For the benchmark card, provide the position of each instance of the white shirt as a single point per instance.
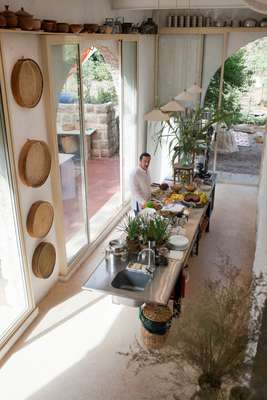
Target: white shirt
(140, 182)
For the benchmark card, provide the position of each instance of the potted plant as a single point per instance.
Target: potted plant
(131, 227)
(154, 229)
(187, 133)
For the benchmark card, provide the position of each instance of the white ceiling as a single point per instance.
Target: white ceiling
(173, 4)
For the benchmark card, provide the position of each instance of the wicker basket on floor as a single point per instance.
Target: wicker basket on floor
(156, 322)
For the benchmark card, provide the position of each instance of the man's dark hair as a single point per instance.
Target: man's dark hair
(144, 155)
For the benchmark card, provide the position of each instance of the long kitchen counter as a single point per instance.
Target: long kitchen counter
(160, 288)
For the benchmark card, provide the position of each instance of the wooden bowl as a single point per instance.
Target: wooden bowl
(76, 28)
(27, 83)
(63, 27)
(43, 260)
(34, 163)
(36, 24)
(40, 219)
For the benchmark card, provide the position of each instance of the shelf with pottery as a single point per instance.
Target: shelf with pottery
(209, 30)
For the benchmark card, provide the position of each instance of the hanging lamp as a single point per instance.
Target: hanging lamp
(172, 106)
(195, 89)
(156, 115)
(185, 96)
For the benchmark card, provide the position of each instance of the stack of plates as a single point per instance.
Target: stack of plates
(178, 242)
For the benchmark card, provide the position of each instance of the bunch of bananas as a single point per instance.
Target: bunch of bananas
(203, 198)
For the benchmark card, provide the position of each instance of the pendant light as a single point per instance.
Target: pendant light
(185, 96)
(172, 106)
(195, 89)
(156, 115)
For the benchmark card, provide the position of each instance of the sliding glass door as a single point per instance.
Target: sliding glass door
(95, 87)
(14, 300)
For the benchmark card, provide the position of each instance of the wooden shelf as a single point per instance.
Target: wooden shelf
(210, 30)
(102, 36)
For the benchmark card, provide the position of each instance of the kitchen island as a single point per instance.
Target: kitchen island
(166, 279)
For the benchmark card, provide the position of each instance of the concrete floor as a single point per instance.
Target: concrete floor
(71, 350)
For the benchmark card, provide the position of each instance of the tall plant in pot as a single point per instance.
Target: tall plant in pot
(154, 229)
(187, 133)
(131, 227)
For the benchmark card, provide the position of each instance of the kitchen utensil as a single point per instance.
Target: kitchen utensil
(91, 28)
(208, 22)
(24, 19)
(175, 21)
(40, 219)
(49, 25)
(3, 22)
(27, 83)
(200, 21)
(263, 22)
(187, 21)
(34, 163)
(169, 21)
(43, 260)
(219, 23)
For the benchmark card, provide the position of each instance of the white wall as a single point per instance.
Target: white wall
(75, 11)
(28, 124)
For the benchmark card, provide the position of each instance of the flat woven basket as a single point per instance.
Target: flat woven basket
(27, 83)
(40, 219)
(34, 163)
(43, 260)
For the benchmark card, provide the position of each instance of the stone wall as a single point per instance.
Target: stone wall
(104, 142)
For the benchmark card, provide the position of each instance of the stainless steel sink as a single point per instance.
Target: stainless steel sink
(130, 280)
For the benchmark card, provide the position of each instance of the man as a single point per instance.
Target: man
(140, 183)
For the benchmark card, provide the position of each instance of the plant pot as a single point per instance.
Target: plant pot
(133, 246)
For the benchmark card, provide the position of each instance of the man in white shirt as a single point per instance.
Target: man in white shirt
(140, 183)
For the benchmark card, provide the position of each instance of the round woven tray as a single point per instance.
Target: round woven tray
(43, 260)
(157, 313)
(27, 83)
(34, 163)
(40, 219)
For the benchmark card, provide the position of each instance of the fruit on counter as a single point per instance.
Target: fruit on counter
(164, 186)
(203, 198)
(174, 198)
(195, 198)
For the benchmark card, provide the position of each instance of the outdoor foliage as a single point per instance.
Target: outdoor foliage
(97, 74)
(237, 79)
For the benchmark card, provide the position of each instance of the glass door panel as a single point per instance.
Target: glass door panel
(101, 93)
(13, 292)
(129, 109)
(66, 71)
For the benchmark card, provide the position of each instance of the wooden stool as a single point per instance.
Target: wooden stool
(181, 171)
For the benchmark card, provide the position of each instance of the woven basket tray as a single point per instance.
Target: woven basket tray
(43, 260)
(40, 219)
(34, 163)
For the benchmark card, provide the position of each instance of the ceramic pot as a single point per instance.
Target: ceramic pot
(36, 24)
(26, 23)
(49, 25)
(91, 28)
(2, 21)
(11, 18)
(63, 27)
(76, 28)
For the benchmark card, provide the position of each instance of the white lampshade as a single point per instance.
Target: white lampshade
(195, 89)
(172, 106)
(156, 115)
(185, 96)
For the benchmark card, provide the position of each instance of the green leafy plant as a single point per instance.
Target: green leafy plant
(187, 133)
(131, 226)
(154, 229)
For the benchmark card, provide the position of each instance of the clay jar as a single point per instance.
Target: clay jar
(2, 21)
(25, 20)
(11, 18)
(49, 25)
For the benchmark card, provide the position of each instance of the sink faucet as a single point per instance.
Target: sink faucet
(150, 257)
